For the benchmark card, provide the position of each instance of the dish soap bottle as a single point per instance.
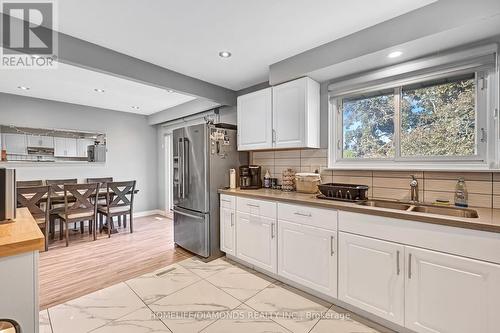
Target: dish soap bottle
(461, 195)
(267, 179)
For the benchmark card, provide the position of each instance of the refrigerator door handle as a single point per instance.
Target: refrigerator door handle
(179, 169)
(182, 158)
(185, 165)
(187, 214)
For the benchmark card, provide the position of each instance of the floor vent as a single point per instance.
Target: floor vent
(165, 272)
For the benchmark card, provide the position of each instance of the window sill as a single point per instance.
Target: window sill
(420, 166)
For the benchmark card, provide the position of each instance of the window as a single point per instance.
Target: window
(440, 119)
(368, 125)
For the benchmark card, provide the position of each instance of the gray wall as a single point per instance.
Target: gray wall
(132, 144)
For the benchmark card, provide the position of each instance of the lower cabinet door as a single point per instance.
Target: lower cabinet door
(308, 255)
(227, 231)
(450, 294)
(371, 276)
(256, 241)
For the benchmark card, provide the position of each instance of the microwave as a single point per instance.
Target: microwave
(8, 195)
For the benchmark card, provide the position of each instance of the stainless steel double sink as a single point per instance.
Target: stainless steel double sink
(422, 208)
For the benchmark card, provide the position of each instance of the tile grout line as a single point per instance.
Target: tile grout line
(147, 306)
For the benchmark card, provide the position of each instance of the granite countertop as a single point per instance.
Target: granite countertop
(21, 235)
(488, 220)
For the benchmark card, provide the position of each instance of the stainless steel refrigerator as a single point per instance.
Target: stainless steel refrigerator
(202, 157)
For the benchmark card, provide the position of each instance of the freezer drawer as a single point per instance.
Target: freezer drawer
(191, 231)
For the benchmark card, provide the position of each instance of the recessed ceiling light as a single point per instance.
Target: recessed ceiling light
(99, 90)
(23, 88)
(135, 107)
(395, 54)
(224, 54)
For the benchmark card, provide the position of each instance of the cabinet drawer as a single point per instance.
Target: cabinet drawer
(316, 217)
(227, 201)
(256, 207)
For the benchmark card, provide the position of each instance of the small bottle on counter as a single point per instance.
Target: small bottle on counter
(461, 195)
(267, 180)
(232, 178)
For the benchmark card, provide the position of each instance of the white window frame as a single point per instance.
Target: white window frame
(486, 113)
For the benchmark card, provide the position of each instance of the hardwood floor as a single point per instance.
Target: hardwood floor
(86, 266)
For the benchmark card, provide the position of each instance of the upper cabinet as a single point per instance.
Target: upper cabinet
(14, 143)
(65, 147)
(296, 114)
(255, 128)
(40, 141)
(284, 116)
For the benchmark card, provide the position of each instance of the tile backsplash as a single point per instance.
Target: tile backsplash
(483, 187)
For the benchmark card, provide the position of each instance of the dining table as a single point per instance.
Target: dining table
(58, 196)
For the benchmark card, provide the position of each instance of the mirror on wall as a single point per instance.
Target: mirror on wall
(25, 144)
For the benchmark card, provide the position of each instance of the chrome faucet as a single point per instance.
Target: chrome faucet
(413, 189)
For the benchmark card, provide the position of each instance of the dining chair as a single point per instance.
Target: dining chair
(29, 183)
(80, 204)
(119, 202)
(57, 200)
(31, 198)
(102, 185)
(102, 181)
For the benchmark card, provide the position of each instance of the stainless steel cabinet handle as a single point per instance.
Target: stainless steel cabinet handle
(409, 266)
(232, 219)
(274, 135)
(252, 205)
(225, 200)
(332, 245)
(303, 214)
(398, 269)
(272, 230)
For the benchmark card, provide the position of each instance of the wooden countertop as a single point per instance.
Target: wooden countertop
(20, 236)
(488, 220)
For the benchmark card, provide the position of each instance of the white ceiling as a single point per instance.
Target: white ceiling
(187, 35)
(433, 44)
(76, 85)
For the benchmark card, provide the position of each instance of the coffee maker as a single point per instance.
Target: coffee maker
(250, 177)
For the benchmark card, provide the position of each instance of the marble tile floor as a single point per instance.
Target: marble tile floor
(193, 296)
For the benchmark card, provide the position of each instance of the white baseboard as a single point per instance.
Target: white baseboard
(150, 212)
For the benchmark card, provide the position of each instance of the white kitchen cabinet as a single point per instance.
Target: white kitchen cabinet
(19, 290)
(82, 146)
(284, 116)
(254, 118)
(65, 147)
(256, 241)
(15, 143)
(308, 255)
(296, 114)
(371, 276)
(450, 294)
(40, 141)
(227, 224)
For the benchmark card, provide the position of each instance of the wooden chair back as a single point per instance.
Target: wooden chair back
(102, 181)
(32, 197)
(29, 183)
(57, 185)
(80, 198)
(119, 194)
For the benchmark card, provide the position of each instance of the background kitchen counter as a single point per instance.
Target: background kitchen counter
(488, 220)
